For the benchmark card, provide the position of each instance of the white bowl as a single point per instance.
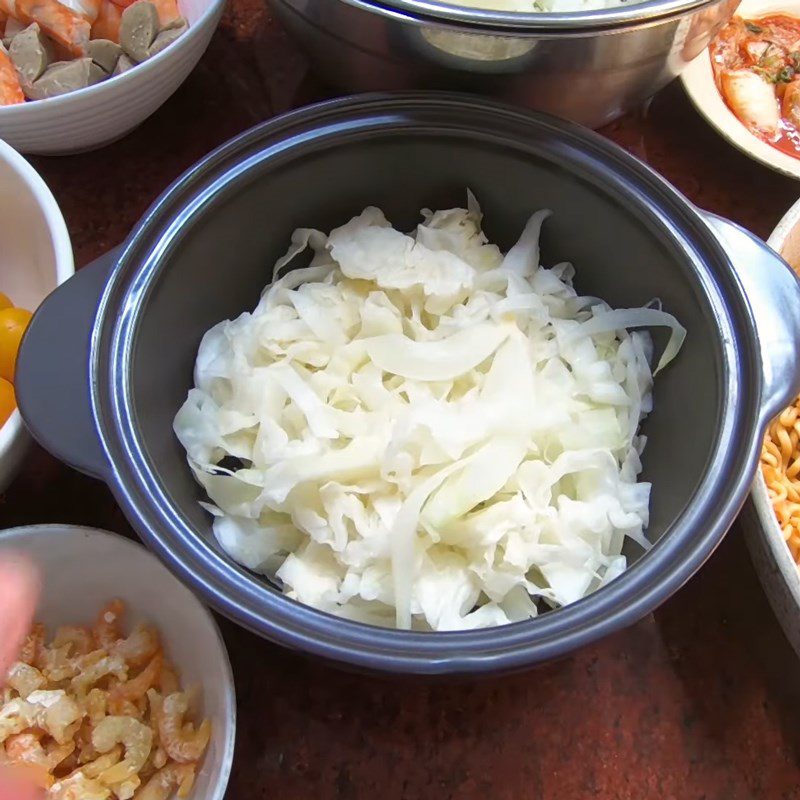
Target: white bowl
(100, 114)
(771, 557)
(35, 257)
(698, 80)
(84, 568)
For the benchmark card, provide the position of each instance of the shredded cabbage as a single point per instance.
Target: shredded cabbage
(419, 431)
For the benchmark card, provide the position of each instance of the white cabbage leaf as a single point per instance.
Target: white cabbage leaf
(419, 431)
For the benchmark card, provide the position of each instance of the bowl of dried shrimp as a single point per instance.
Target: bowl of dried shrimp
(771, 519)
(123, 688)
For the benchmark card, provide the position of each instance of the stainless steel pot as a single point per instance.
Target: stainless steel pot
(588, 67)
(108, 358)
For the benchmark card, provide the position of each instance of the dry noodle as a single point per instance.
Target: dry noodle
(780, 465)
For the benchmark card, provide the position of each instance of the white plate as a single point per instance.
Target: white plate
(82, 569)
(698, 80)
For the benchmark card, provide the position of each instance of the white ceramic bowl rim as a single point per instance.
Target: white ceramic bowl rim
(19, 534)
(16, 112)
(62, 250)
(62, 247)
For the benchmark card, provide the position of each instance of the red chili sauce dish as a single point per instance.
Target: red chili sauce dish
(756, 65)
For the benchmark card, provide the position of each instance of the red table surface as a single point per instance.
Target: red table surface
(700, 701)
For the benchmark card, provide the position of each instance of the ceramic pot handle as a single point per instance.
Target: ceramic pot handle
(52, 378)
(773, 292)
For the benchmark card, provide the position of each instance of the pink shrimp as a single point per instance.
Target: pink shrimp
(106, 25)
(167, 10)
(61, 24)
(8, 8)
(88, 9)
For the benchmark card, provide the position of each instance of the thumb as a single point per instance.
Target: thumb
(19, 588)
(16, 788)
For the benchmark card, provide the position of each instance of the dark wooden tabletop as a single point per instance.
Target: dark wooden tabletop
(700, 701)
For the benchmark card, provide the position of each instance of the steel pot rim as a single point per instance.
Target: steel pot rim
(483, 21)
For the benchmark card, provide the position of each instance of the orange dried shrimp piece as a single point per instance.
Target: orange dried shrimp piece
(107, 630)
(33, 645)
(136, 688)
(137, 740)
(24, 679)
(96, 666)
(57, 664)
(180, 740)
(26, 748)
(78, 787)
(166, 780)
(169, 682)
(77, 637)
(93, 769)
(141, 646)
(96, 705)
(21, 747)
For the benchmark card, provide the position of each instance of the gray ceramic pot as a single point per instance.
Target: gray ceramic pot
(585, 66)
(108, 358)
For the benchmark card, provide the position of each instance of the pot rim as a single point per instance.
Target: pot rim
(511, 23)
(234, 591)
